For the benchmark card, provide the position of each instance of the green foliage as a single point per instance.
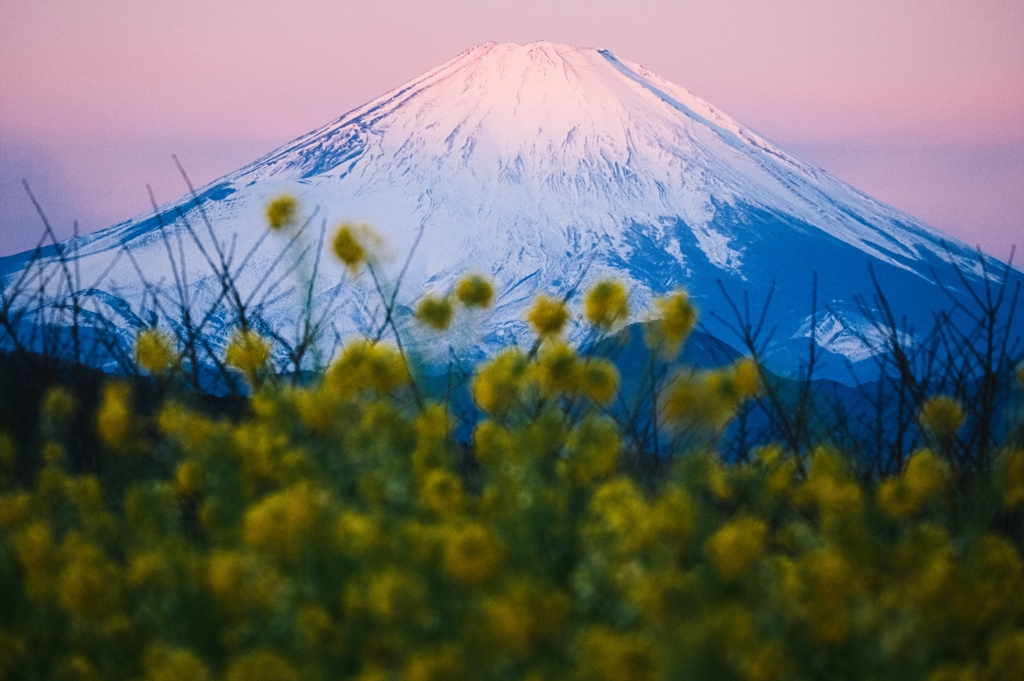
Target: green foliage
(340, 529)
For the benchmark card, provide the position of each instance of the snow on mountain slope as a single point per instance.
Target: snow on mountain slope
(547, 167)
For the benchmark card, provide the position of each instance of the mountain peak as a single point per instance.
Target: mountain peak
(552, 50)
(574, 127)
(558, 69)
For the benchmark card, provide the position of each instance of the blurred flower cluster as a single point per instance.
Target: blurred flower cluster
(343, 529)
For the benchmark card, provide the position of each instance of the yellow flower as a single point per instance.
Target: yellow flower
(621, 515)
(441, 492)
(261, 665)
(35, 547)
(558, 369)
(523, 614)
(1006, 656)
(225, 575)
(113, 421)
(997, 564)
(433, 425)
(607, 304)
(356, 533)
(77, 667)
(356, 244)
(765, 662)
(830, 488)
(258, 447)
(192, 430)
(924, 476)
(491, 442)
(472, 553)
(674, 515)
(429, 455)
(593, 451)
(500, 383)
(609, 655)
(780, 469)
(37, 555)
(314, 409)
(435, 312)
(718, 478)
(704, 399)
(153, 351)
(264, 406)
(652, 592)
(942, 415)
(51, 484)
(14, 509)
(88, 584)
(475, 291)
(247, 351)
(364, 365)
(434, 665)
(147, 567)
(313, 624)
(394, 595)
(599, 379)
(1012, 477)
(959, 672)
(282, 521)
(59, 404)
(188, 478)
(736, 546)
(209, 515)
(347, 374)
(163, 663)
(509, 623)
(281, 212)
(547, 316)
(678, 318)
(832, 583)
(747, 377)
(295, 465)
(86, 496)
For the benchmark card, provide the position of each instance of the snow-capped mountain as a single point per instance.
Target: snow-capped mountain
(546, 167)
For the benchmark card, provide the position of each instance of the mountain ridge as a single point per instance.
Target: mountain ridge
(548, 167)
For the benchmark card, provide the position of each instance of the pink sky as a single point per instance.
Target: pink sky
(920, 104)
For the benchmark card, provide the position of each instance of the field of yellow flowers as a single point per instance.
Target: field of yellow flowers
(341, 530)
